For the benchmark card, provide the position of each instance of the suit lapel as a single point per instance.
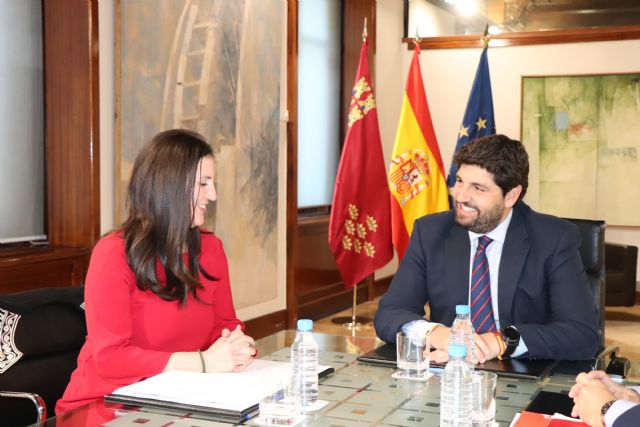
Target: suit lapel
(514, 253)
(457, 249)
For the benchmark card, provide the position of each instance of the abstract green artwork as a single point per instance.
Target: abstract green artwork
(583, 137)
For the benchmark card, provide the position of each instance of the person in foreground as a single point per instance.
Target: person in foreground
(599, 401)
(157, 291)
(519, 271)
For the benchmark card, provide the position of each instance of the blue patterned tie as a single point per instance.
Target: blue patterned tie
(481, 308)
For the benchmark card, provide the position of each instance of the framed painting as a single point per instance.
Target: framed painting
(215, 67)
(583, 138)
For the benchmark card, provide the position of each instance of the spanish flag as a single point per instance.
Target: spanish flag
(416, 172)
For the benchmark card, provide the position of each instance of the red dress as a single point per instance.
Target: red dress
(131, 333)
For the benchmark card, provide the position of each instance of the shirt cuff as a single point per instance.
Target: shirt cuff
(520, 349)
(617, 409)
(419, 327)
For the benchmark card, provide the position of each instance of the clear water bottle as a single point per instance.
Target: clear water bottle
(304, 365)
(462, 332)
(456, 389)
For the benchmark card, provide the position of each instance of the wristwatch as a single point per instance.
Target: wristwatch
(605, 408)
(511, 338)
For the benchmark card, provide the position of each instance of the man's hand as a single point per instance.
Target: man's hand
(619, 392)
(589, 395)
(439, 337)
(485, 345)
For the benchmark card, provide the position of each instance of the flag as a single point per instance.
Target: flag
(478, 118)
(416, 171)
(359, 227)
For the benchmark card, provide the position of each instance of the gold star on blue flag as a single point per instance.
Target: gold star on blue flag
(478, 118)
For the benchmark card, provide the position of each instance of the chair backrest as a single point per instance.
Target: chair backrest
(592, 254)
(41, 332)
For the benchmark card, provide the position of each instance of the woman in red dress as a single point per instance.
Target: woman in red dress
(157, 291)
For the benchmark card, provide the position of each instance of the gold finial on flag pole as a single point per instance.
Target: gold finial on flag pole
(486, 37)
(364, 29)
(416, 39)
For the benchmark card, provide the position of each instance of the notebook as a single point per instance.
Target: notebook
(519, 368)
(229, 397)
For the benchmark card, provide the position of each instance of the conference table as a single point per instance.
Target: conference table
(358, 394)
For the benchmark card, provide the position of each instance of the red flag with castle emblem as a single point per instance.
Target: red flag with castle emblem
(360, 225)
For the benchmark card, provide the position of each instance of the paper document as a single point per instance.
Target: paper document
(235, 391)
(533, 419)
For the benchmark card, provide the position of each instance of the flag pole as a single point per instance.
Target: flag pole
(485, 37)
(354, 322)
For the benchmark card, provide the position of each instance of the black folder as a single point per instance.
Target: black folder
(216, 414)
(549, 402)
(385, 355)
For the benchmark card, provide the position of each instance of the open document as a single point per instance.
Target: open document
(234, 395)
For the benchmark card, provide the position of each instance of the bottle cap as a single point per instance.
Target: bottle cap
(457, 350)
(462, 309)
(305, 325)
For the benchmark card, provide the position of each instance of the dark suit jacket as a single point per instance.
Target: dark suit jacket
(629, 418)
(542, 287)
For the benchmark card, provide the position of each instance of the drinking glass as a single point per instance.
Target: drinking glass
(280, 408)
(483, 396)
(412, 352)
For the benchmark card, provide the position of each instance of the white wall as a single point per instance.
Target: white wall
(448, 75)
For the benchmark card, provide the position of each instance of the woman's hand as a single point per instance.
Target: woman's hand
(219, 357)
(243, 348)
(232, 352)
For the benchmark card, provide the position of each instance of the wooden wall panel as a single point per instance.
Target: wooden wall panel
(354, 12)
(43, 268)
(266, 325)
(292, 159)
(72, 124)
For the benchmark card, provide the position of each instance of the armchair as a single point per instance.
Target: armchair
(621, 262)
(592, 254)
(41, 333)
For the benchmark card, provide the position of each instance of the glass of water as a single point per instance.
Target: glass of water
(483, 385)
(280, 408)
(412, 352)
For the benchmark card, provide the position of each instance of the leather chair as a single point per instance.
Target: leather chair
(41, 333)
(593, 255)
(621, 263)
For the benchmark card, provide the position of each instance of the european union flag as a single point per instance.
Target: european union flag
(478, 117)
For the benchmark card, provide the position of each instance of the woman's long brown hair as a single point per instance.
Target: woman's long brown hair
(160, 214)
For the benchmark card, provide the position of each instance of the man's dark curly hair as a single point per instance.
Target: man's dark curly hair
(505, 158)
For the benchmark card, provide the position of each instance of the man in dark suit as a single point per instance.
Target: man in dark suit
(519, 271)
(600, 401)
